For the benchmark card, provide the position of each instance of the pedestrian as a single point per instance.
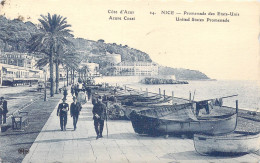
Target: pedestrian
(76, 90)
(88, 89)
(1, 111)
(4, 106)
(65, 92)
(72, 90)
(94, 100)
(62, 111)
(99, 115)
(75, 108)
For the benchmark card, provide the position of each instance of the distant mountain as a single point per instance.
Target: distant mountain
(15, 34)
(183, 74)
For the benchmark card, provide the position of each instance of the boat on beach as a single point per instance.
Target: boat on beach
(236, 143)
(167, 101)
(180, 119)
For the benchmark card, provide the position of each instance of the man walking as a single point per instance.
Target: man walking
(99, 115)
(72, 90)
(88, 89)
(1, 111)
(65, 92)
(62, 111)
(4, 107)
(75, 108)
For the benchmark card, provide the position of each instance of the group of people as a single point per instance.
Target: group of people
(3, 110)
(63, 108)
(75, 89)
(99, 112)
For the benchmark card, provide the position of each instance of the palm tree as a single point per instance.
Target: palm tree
(65, 57)
(69, 60)
(53, 32)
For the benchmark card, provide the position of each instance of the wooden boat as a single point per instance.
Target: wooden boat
(138, 106)
(236, 143)
(180, 119)
(167, 100)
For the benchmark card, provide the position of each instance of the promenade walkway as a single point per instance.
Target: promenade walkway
(122, 144)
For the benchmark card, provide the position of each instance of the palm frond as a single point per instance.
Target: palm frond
(42, 62)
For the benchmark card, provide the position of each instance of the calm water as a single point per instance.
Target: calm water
(248, 91)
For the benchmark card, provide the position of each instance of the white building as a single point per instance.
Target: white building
(136, 69)
(11, 74)
(93, 68)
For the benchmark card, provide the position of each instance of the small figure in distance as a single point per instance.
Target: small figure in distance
(65, 92)
(3, 110)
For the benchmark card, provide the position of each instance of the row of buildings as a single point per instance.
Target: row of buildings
(18, 68)
(136, 69)
(117, 67)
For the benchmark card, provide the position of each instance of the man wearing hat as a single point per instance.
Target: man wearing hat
(3, 110)
(75, 108)
(62, 111)
(99, 115)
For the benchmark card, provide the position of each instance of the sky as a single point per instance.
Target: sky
(220, 50)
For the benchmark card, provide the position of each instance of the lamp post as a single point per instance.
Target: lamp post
(45, 94)
(63, 81)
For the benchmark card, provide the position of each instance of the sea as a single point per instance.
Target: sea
(247, 91)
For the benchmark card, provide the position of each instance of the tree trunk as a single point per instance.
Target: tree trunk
(67, 77)
(70, 76)
(57, 78)
(73, 76)
(51, 74)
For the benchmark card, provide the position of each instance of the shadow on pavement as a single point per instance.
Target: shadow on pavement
(191, 155)
(59, 140)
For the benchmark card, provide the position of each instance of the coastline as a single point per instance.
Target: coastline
(248, 91)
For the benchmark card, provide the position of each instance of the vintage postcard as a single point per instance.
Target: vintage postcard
(129, 81)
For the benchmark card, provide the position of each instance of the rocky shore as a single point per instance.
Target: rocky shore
(150, 80)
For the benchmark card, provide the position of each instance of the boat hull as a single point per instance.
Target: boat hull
(180, 119)
(226, 145)
(153, 126)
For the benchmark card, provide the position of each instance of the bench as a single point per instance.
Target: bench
(20, 121)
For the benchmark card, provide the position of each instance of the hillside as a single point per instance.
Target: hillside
(15, 35)
(101, 48)
(183, 74)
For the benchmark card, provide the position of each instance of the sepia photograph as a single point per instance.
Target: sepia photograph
(133, 81)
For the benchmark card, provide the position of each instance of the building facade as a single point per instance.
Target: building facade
(136, 69)
(17, 59)
(11, 75)
(18, 68)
